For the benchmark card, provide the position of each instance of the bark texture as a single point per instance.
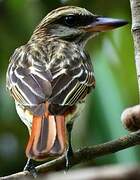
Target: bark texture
(135, 9)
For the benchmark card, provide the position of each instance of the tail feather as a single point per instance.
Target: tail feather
(48, 137)
(60, 141)
(51, 133)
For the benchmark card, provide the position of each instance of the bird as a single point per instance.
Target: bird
(50, 77)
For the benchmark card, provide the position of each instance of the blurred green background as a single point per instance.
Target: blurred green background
(114, 67)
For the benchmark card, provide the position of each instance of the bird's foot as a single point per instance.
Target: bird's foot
(69, 152)
(69, 155)
(31, 168)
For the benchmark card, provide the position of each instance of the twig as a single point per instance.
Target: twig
(85, 154)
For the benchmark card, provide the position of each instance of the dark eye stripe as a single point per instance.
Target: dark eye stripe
(76, 20)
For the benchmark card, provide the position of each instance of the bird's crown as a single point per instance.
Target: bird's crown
(65, 11)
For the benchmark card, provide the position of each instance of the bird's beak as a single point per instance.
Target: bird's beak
(104, 24)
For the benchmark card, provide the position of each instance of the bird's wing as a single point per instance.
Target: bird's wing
(72, 82)
(29, 83)
(64, 83)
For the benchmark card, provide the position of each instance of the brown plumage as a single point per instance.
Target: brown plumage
(50, 76)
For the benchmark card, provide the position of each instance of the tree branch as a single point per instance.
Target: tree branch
(111, 172)
(84, 155)
(131, 116)
(135, 9)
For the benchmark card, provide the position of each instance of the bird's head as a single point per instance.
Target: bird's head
(75, 24)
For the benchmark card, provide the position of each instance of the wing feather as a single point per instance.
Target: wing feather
(30, 85)
(65, 82)
(74, 84)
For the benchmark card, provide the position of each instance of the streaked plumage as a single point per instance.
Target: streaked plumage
(50, 76)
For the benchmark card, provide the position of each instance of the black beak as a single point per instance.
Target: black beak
(104, 24)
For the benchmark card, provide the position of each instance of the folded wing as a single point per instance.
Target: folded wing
(64, 83)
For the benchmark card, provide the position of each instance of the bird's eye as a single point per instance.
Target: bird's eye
(70, 20)
(76, 20)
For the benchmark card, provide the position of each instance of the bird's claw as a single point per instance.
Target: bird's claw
(31, 168)
(69, 155)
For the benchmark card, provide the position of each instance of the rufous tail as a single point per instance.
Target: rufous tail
(48, 137)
